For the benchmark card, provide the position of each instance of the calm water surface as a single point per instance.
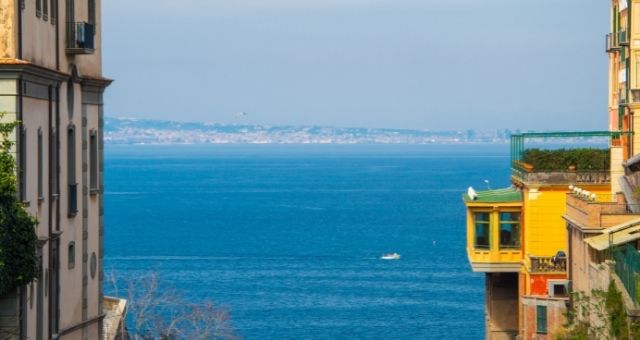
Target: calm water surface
(289, 236)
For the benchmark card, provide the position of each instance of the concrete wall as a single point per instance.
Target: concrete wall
(502, 305)
(556, 309)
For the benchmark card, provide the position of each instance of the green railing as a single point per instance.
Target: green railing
(563, 139)
(628, 268)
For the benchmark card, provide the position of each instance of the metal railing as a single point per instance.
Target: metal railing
(548, 264)
(562, 177)
(611, 42)
(627, 268)
(80, 37)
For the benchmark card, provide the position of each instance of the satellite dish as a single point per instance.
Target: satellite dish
(472, 193)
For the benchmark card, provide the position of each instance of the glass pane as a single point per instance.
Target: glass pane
(482, 235)
(482, 217)
(509, 234)
(510, 216)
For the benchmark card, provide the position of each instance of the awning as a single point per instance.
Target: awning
(616, 235)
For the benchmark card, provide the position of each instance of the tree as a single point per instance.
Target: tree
(155, 312)
(18, 239)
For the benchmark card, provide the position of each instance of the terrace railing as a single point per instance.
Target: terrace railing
(628, 269)
(527, 173)
(548, 264)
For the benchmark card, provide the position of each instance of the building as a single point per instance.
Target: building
(517, 237)
(578, 228)
(51, 81)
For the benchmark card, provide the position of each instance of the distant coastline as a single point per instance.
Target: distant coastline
(162, 132)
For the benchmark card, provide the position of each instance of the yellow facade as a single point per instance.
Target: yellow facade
(493, 258)
(545, 232)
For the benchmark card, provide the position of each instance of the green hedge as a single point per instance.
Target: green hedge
(584, 159)
(18, 239)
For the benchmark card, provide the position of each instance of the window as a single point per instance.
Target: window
(71, 255)
(482, 230)
(45, 9)
(71, 171)
(92, 11)
(39, 8)
(541, 319)
(23, 165)
(93, 161)
(53, 152)
(40, 166)
(54, 11)
(510, 230)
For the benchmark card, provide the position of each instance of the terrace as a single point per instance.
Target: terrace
(599, 211)
(562, 158)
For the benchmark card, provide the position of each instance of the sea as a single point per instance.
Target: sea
(289, 237)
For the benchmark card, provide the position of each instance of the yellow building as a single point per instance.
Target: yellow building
(517, 237)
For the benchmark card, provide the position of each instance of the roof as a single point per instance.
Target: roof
(616, 235)
(506, 195)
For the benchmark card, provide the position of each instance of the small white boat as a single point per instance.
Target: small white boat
(391, 256)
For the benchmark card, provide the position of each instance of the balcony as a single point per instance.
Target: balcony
(553, 162)
(611, 42)
(548, 264)
(80, 38)
(494, 234)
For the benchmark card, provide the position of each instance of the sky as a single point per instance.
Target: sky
(419, 64)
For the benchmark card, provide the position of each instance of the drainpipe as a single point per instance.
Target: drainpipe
(20, 31)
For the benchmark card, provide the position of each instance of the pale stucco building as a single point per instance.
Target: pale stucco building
(51, 81)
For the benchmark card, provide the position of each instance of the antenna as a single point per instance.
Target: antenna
(488, 184)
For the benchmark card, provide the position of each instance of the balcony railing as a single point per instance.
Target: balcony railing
(623, 38)
(611, 42)
(563, 170)
(562, 177)
(548, 264)
(80, 38)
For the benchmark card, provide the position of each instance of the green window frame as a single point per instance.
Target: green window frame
(482, 230)
(509, 230)
(541, 319)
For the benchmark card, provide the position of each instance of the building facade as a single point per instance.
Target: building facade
(51, 82)
(579, 229)
(517, 237)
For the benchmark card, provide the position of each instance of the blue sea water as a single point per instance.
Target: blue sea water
(290, 236)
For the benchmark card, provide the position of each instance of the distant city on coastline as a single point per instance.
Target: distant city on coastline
(149, 131)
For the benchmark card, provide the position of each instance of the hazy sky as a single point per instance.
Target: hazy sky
(429, 64)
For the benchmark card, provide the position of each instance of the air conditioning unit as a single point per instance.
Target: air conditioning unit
(558, 288)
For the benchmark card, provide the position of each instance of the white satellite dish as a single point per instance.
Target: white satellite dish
(472, 193)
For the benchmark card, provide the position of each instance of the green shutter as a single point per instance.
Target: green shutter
(541, 319)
